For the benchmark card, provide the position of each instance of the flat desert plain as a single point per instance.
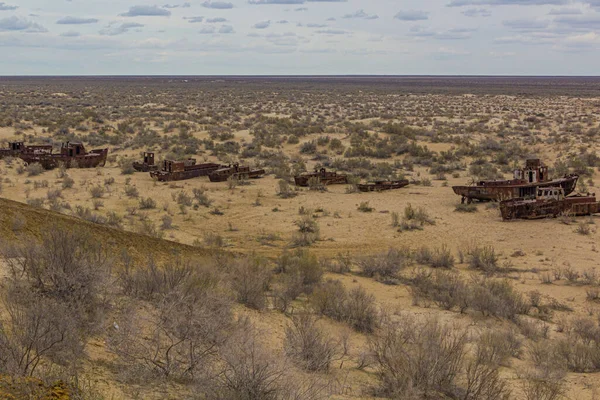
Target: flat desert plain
(308, 292)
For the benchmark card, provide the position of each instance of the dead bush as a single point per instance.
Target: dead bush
(250, 279)
(483, 259)
(356, 308)
(385, 265)
(497, 298)
(247, 371)
(497, 347)
(309, 345)
(147, 203)
(285, 191)
(153, 281)
(66, 265)
(38, 329)
(420, 358)
(539, 385)
(308, 232)
(34, 169)
(176, 340)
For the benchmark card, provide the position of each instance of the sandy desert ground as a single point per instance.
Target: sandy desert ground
(436, 136)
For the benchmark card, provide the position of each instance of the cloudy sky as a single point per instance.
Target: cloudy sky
(222, 37)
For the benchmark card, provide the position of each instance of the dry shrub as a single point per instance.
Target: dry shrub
(285, 191)
(147, 203)
(422, 358)
(491, 297)
(440, 257)
(245, 370)
(483, 382)
(154, 282)
(177, 339)
(447, 290)
(310, 346)
(34, 169)
(496, 347)
(415, 219)
(385, 265)
(483, 259)
(250, 279)
(497, 298)
(308, 232)
(54, 299)
(356, 308)
(537, 385)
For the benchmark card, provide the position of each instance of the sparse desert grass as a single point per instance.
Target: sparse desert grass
(510, 311)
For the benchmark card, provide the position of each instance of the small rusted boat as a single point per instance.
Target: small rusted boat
(320, 176)
(147, 164)
(72, 155)
(549, 202)
(180, 170)
(525, 183)
(15, 149)
(235, 171)
(378, 186)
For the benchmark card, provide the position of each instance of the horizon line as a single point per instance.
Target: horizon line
(301, 76)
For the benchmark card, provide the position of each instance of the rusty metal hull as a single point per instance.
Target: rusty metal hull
(534, 209)
(505, 190)
(194, 171)
(9, 153)
(324, 178)
(223, 174)
(378, 186)
(141, 167)
(95, 158)
(37, 149)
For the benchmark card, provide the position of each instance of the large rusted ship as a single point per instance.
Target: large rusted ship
(147, 164)
(549, 202)
(15, 149)
(235, 171)
(180, 170)
(320, 176)
(72, 155)
(525, 183)
(378, 186)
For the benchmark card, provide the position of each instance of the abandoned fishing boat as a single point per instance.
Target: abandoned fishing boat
(525, 183)
(320, 176)
(72, 155)
(235, 171)
(147, 164)
(549, 202)
(180, 170)
(378, 186)
(15, 149)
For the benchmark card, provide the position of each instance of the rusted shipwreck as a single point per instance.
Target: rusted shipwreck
(378, 186)
(72, 155)
(235, 171)
(549, 202)
(321, 176)
(525, 183)
(15, 149)
(147, 163)
(180, 170)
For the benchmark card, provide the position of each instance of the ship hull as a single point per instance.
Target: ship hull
(505, 191)
(380, 186)
(141, 167)
(333, 179)
(222, 177)
(193, 172)
(534, 209)
(93, 159)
